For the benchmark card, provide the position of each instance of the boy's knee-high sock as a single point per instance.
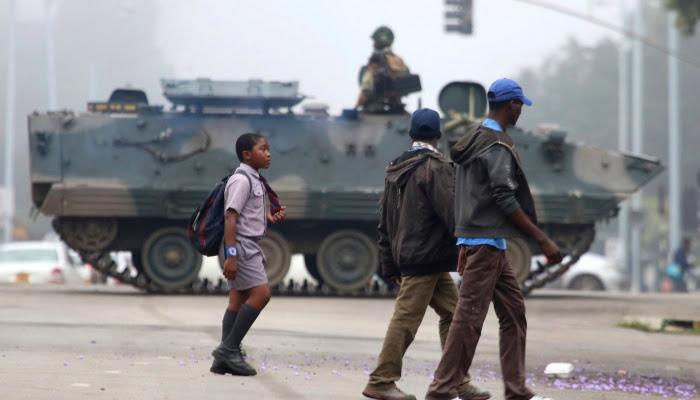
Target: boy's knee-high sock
(227, 323)
(245, 319)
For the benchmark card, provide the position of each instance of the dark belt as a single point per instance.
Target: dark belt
(255, 238)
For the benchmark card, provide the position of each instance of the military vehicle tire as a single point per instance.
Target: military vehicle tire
(169, 260)
(520, 257)
(347, 260)
(312, 267)
(278, 256)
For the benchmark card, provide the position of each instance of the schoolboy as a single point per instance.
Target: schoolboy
(416, 230)
(240, 255)
(492, 203)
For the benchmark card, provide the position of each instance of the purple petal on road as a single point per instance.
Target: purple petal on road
(182, 363)
(308, 378)
(263, 368)
(80, 357)
(93, 342)
(65, 363)
(296, 374)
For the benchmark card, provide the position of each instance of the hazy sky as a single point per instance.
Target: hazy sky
(323, 43)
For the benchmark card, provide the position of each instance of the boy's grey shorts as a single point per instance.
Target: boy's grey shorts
(251, 264)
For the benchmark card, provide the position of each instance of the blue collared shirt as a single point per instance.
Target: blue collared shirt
(499, 243)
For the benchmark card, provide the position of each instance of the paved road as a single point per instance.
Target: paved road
(115, 343)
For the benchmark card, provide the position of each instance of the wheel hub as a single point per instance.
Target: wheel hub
(169, 260)
(172, 257)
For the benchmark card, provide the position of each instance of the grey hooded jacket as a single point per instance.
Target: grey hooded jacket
(490, 185)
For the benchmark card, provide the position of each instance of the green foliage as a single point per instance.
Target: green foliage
(635, 325)
(687, 14)
(577, 87)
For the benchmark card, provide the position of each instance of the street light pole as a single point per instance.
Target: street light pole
(637, 136)
(50, 8)
(623, 134)
(674, 152)
(9, 207)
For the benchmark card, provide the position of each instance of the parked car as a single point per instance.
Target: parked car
(38, 262)
(591, 272)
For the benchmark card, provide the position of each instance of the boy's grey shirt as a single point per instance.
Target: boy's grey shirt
(490, 185)
(416, 222)
(249, 206)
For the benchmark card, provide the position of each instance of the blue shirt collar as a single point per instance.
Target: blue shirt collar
(492, 124)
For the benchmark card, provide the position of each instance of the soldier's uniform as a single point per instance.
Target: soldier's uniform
(383, 68)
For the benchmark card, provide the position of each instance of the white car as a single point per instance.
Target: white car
(38, 262)
(591, 272)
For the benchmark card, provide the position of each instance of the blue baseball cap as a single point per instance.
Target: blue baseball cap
(507, 89)
(425, 123)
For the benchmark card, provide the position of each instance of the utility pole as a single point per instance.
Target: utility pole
(50, 9)
(637, 138)
(9, 201)
(623, 143)
(674, 149)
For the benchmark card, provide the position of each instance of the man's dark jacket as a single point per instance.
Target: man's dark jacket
(416, 222)
(490, 185)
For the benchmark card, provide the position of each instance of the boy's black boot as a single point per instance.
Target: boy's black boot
(219, 367)
(233, 360)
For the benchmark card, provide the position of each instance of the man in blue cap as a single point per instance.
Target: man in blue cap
(417, 251)
(492, 203)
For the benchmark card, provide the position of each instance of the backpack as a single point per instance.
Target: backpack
(206, 226)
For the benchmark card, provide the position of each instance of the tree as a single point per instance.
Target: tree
(577, 87)
(687, 14)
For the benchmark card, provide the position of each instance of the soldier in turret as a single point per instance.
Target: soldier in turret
(377, 93)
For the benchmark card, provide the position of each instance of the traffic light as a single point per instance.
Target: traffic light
(458, 16)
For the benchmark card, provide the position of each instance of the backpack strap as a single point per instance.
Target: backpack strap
(250, 183)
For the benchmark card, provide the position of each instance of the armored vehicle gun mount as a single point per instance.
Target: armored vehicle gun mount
(126, 175)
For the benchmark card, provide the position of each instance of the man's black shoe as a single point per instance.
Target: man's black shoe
(233, 360)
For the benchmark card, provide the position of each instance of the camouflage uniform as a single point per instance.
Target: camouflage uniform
(385, 66)
(382, 69)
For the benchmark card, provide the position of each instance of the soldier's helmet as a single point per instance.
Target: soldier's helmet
(383, 37)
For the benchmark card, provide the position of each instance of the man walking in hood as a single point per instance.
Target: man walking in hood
(492, 203)
(416, 245)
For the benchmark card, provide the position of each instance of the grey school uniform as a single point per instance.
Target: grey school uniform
(251, 225)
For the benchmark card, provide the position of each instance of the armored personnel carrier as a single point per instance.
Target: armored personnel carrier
(126, 175)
